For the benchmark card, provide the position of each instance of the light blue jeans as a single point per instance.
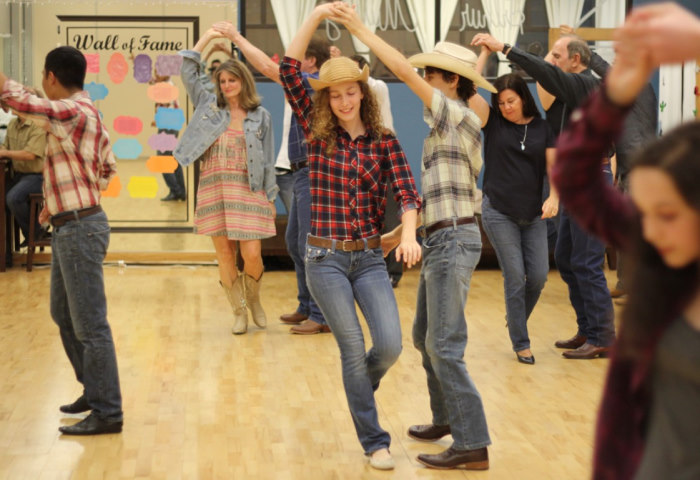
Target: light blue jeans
(521, 248)
(337, 279)
(440, 333)
(79, 308)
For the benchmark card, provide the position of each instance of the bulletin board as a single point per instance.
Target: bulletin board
(133, 77)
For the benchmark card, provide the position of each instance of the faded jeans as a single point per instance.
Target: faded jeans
(521, 248)
(79, 308)
(440, 333)
(337, 279)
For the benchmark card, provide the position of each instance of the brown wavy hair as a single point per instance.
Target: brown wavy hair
(324, 123)
(659, 293)
(248, 99)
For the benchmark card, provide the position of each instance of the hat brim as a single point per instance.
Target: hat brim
(438, 60)
(318, 84)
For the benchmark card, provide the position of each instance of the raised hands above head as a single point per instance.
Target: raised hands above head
(488, 41)
(667, 31)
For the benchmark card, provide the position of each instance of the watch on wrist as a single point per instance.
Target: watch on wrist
(506, 47)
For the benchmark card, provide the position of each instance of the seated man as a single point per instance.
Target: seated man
(25, 145)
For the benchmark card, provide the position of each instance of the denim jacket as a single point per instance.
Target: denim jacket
(209, 121)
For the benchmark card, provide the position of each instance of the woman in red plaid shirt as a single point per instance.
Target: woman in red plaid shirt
(352, 161)
(646, 426)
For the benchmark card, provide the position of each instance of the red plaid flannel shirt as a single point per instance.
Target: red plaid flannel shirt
(348, 187)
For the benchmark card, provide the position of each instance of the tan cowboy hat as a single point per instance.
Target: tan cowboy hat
(338, 70)
(453, 58)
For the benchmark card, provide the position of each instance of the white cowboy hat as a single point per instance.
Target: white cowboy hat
(338, 70)
(453, 58)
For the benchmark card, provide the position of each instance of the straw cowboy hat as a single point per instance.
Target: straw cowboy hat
(453, 58)
(338, 70)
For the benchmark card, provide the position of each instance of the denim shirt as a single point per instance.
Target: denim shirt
(209, 121)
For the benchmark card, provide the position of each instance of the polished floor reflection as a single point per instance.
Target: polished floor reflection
(201, 403)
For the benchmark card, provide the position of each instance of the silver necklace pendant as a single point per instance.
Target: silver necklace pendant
(522, 142)
(522, 146)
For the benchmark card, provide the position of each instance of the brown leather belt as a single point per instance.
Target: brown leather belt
(345, 245)
(62, 218)
(447, 223)
(299, 165)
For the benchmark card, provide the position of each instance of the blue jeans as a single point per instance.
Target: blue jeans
(176, 182)
(521, 248)
(440, 333)
(18, 198)
(337, 279)
(580, 257)
(285, 182)
(298, 227)
(79, 308)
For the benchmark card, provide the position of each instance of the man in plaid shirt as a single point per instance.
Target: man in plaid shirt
(79, 163)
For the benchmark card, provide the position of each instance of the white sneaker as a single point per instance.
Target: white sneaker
(381, 459)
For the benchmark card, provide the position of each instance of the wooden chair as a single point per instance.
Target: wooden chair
(36, 203)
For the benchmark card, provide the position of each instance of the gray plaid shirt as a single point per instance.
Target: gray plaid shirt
(451, 159)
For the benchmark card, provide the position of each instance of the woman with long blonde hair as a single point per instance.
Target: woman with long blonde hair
(231, 133)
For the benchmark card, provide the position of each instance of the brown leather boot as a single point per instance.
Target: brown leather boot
(252, 296)
(236, 298)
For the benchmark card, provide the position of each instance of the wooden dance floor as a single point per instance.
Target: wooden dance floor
(200, 403)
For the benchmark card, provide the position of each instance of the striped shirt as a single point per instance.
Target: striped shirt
(348, 187)
(451, 160)
(79, 159)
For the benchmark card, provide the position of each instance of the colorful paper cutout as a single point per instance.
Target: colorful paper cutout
(142, 187)
(127, 148)
(161, 164)
(163, 142)
(168, 65)
(97, 91)
(142, 68)
(114, 187)
(170, 118)
(127, 125)
(117, 68)
(93, 62)
(163, 92)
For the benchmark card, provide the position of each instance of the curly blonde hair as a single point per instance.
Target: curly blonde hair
(324, 123)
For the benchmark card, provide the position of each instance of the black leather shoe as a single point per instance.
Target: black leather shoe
(79, 406)
(572, 343)
(91, 425)
(467, 459)
(526, 360)
(428, 433)
(171, 197)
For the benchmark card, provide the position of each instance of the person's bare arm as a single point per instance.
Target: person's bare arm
(19, 155)
(388, 55)
(669, 32)
(257, 58)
